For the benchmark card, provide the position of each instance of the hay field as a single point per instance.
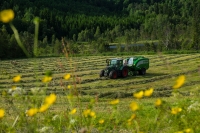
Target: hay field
(85, 70)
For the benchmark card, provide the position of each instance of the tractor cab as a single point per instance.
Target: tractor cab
(115, 68)
(116, 62)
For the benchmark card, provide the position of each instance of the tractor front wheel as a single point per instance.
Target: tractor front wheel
(101, 74)
(113, 74)
(124, 72)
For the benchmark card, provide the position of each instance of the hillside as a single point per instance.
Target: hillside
(174, 23)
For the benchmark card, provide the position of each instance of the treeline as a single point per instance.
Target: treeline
(89, 26)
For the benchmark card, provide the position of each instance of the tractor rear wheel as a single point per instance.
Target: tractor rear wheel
(113, 74)
(124, 72)
(101, 74)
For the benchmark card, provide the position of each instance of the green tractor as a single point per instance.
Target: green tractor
(119, 67)
(115, 68)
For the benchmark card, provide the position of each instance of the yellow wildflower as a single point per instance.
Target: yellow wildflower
(46, 79)
(43, 108)
(179, 132)
(50, 99)
(188, 130)
(14, 87)
(69, 86)
(31, 112)
(17, 78)
(132, 117)
(7, 15)
(138, 95)
(67, 76)
(158, 102)
(148, 92)
(113, 102)
(73, 111)
(129, 123)
(101, 121)
(176, 110)
(2, 113)
(86, 112)
(134, 106)
(179, 82)
(93, 114)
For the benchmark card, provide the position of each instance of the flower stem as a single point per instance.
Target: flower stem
(18, 40)
(36, 22)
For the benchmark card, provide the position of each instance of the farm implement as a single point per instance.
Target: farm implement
(118, 67)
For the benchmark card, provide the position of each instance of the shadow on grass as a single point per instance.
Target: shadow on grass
(147, 75)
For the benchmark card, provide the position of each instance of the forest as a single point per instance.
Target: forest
(94, 25)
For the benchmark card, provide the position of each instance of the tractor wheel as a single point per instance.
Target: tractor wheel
(101, 74)
(113, 74)
(124, 72)
(142, 72)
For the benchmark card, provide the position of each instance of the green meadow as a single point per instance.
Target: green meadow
(84, 101)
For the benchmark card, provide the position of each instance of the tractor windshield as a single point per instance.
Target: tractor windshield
(113, 62)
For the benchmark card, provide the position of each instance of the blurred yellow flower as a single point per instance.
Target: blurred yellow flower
(69, 86)
(101, 121)
(113, 102)
(176, 110)
(46, 79)
(50, 99)
(148, 92)
(14, 87)
(179, 132)
(129, 123)
(7, 15)
(132, 117)
(134, 106)
(17, 78)
(31, 112)
(179, 82)
(93, 114)
(86, 112)
(139, 94)
(188, 130)
(158, 102)
(73, 111)
(67, 76)
(2, 113)
(43, 108)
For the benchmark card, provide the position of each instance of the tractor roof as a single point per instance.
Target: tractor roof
(116, 59)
